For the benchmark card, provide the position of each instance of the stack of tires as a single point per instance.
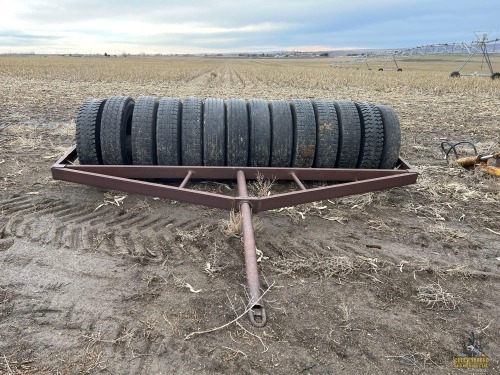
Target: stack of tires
(235, 132)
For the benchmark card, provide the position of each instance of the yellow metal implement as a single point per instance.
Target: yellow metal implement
(487, 163)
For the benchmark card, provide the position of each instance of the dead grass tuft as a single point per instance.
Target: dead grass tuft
(261, 187)
(461, 271)
(213, 266)
(446, 234)
(329, 267)
(358, 201)
(379, 225)
(233, 227)
(434, 296)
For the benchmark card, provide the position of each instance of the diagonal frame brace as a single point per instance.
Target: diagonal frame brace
(128, 178)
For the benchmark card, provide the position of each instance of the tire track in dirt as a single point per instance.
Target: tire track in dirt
(251, 82)
(236, 76)
(64, 224)
(214, 83)
(240, 77)
(197, 77)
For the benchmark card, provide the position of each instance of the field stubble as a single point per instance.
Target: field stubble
(381, 282)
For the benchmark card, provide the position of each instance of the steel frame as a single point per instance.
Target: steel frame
(129, 178)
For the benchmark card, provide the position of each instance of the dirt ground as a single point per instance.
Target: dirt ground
(96, 281)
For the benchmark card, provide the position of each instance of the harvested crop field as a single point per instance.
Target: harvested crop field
(96, 281)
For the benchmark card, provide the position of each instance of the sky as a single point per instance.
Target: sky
(225, 26)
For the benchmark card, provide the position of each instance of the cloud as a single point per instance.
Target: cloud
(170, 26)
(12, 38)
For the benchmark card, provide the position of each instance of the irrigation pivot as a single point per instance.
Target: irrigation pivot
(479, 46)
(470, 49)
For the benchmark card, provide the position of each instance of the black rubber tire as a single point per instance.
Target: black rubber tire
(372, 136)
(259, 154)
(281, 133)
(349, 134)
(88, 129)
(214, 132)
(144, 131)
(495, 76)
(116, 124)
(380, 69)
(327, 134)
(455, 74)
(392, 137)
(237, 133)
(304, 133)
(400, 70)
(191, 132)
(168, 131)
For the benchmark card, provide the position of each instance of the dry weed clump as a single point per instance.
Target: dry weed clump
(233, 227)
(329, 267)
(461, 271)
(213, 266)
(261, 187)
(434, 296)
(361, 201)
(379, 225)
(446, 234)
